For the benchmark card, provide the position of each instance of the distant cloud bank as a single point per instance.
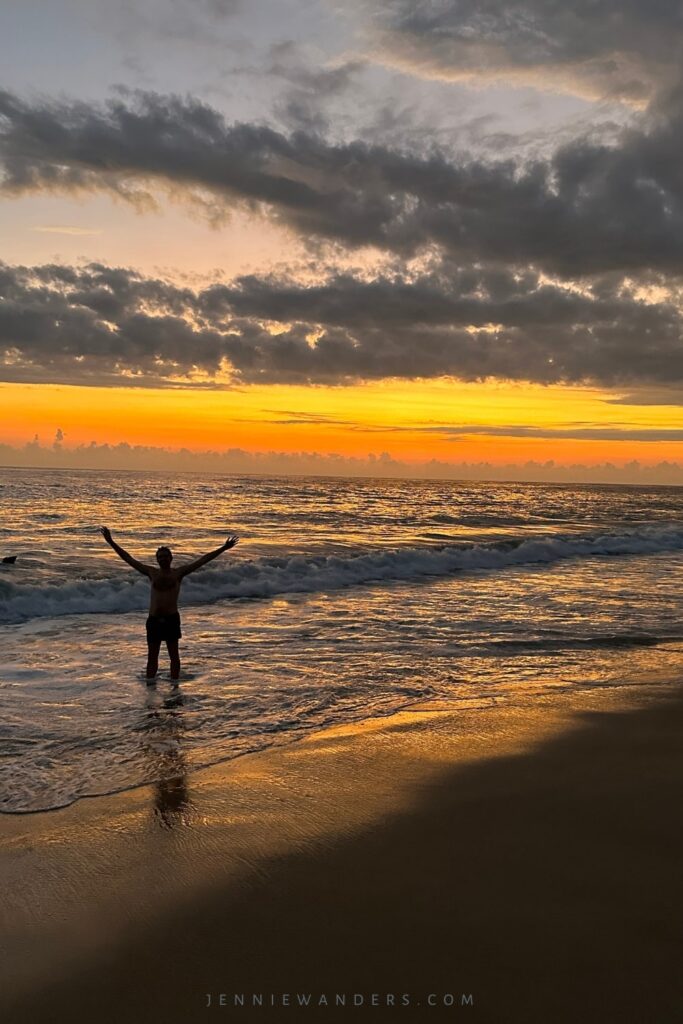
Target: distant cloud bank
(273, 463)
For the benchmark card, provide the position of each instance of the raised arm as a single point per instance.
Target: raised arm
(140, 566)
(185, 570)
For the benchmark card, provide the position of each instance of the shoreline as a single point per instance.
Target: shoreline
(385, 856)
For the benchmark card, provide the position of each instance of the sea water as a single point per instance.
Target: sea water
(345, 598)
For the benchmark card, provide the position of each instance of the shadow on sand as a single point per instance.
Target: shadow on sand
(548, 884)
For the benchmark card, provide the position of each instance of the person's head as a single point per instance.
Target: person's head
(164, 557)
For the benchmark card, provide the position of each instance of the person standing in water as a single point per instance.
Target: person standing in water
(163, 622)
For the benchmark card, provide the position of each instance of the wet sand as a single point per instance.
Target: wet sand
(527, 856)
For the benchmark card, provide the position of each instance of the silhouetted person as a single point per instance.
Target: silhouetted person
(163, 622)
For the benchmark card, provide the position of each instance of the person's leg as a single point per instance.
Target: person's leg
(152, 658)
(174, 655)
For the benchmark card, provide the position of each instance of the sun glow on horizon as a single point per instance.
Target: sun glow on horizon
(413, 421)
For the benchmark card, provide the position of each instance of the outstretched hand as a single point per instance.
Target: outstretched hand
(106, 533)
(230, 542)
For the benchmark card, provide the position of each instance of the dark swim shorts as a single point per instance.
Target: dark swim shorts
(163, 627)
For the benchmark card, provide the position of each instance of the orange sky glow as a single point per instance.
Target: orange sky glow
(407, 419)
(340, 231)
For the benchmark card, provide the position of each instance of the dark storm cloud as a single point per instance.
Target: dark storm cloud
(448, 296)
(102, 325)
(624, 48)
(604, 215)
(61, 323)
(589, 208)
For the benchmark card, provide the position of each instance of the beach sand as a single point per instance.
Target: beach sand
(527, 855)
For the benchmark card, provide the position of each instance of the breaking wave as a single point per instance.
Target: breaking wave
(307, 574)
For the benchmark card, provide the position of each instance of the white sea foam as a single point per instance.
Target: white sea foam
(309, 574)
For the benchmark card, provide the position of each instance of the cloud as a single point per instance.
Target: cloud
(238, 460)
(64, 229)
(622, 48)
(650, 396)
(197, 22)
(107, 325)
(570, 433)
(305, 104)
(591, 207)
(561, 268)
(328, 80)
(294, 417)
(96, 324)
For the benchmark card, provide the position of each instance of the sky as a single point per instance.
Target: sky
(400, 237)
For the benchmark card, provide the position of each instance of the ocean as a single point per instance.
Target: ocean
(345, 599)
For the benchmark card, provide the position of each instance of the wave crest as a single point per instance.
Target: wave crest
(308, 574)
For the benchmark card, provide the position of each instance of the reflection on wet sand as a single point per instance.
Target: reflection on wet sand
(162, 736)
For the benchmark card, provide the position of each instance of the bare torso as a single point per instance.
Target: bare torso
(163, 597)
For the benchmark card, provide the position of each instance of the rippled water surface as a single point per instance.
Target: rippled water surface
(344, 598)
